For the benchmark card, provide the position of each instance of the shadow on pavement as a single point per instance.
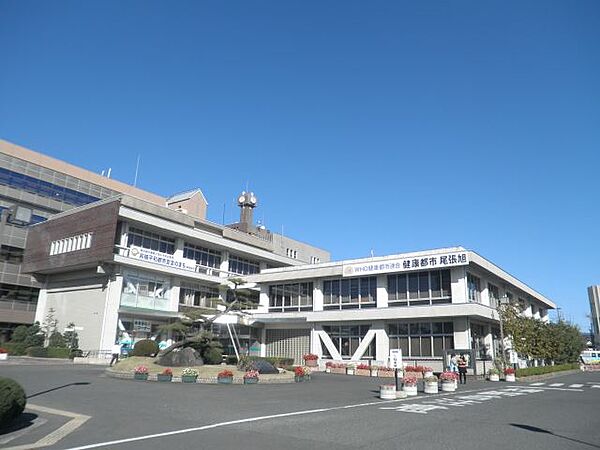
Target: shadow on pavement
(25, 420)
(541, 430)
(80, 383)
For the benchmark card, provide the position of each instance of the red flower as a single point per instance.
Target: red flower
(310, 357)
(509, 371)
(225, 374)
(167, 371)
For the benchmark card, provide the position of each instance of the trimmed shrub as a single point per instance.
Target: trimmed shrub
(213, 355)
(15, 348)
(245, 362)
(58, 352)
(12, 401)
(146, 347)
(231, 360)
(38, 352)
(19, 334)
(545, 369)
(56, 340)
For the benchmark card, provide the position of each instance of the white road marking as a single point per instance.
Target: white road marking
(546, 388)
(537, 384)
(50, 439)
(556, 384)
(596, 386)
(576, 385)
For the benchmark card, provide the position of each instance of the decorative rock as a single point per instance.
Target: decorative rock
(186, 357)
(264, 367)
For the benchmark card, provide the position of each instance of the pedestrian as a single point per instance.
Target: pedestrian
(116, 351)
(462, 369)
(453, 365)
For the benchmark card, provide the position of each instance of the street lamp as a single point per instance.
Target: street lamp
(504, 300)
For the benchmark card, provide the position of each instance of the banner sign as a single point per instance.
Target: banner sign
(437, 261)
(163, 259)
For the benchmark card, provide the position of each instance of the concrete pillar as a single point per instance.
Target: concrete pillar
(462, 333)
(315, 342)
(111, 313)
(382, 342)
(179, 244)
(123, 239)
(458, 286)
(318, 295)
(224, 267)
(174, 294)
(263, 299)
(382, 293)
(263, 342)
(484, 294)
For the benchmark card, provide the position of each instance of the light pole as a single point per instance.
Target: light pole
(502, 301)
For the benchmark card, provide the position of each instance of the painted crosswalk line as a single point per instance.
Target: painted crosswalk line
(556, 384)
(576, 385)
(537, 384)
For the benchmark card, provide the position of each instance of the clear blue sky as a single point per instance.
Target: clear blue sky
(392, 126)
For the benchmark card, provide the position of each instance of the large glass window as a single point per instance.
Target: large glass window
(145, 290)
(419, 288)
(10, 254)
(493, 294)
(198, 295)
(421, 338)
(203, 256)
(347, 293)
(474, 288)
(16, 292)
(291, 297)
(149, 240)
(43, 188)
(347, 338)
(243, 266)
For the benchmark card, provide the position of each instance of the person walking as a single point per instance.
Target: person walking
(116, 351)
(462, 370)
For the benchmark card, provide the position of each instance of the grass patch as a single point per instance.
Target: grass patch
(126, 365)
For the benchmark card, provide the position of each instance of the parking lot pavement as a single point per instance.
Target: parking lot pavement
(332, 411)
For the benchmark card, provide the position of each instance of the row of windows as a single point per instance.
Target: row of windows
(15, 292)
(71, 244)
(11, 254)
(43, 188)
(198, 295)
(421, 338)
(145, 286)
(152, 241)
(202, 255)
(291, 297)
(347, 338)
(243, 266)
(291, 253)
(350, 293)
(419, 288)
(473, 288)
(22, 216)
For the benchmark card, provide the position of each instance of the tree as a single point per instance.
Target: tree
(50, 324)
(71, 337)
(193, 326)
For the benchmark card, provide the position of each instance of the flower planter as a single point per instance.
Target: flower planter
(494, 377)
(250, 380)
(3, 356)
(363, 372)
(164, 378)
(510, 377)
(298, 379)
(349, 371)
(339, 370)
(448, 386)
(429, 373)
(386, 373)
(188, 379)
(225, 380)
(140, 376)
(327, 369)
(374, 372)
(431, 388)
(411, 390)
(387, 392)
(311, 362)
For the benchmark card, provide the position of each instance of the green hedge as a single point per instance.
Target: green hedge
(48, 352)
(37, 352)
(546, 369)
(145, 347)
(245, 361)
(12, 401)
(15, 348)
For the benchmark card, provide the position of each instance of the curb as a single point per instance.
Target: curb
(545, 376)
(211, 380)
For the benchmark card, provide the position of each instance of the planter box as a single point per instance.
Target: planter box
(494, 377)
(250, 380)
(340, 370)
(510, 377)
(431, 388)
(411, 391)
(298, 379)
(164, 378)
(387, 392)
(225, 380)
(188, 379)
(350, 371)
(327, 369)
(140, 376)
(311, 362)
(428, 374)
(374, 372)
(3, 356)
(363, 372)
(417, 375)
(385, 373)
(448, 386)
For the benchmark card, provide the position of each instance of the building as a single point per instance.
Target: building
(428, 304)
(124, 265)
(594, 296)
(32, 188)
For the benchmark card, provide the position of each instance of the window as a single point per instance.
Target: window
(21, 293)
(149, 240)
(243, 266)
(10, 254)
(71, 244)
(493, 295)
(315, 260)
(419, 288)
(421, 338)
(473, 287)
(145, 290)
(291, 253)
(347, 338)
(198, 295)
(203, 256)
(347, 293)
(291, 297)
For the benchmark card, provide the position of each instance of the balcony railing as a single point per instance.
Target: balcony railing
(199, 268)
(18, 305)
(139, 301)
